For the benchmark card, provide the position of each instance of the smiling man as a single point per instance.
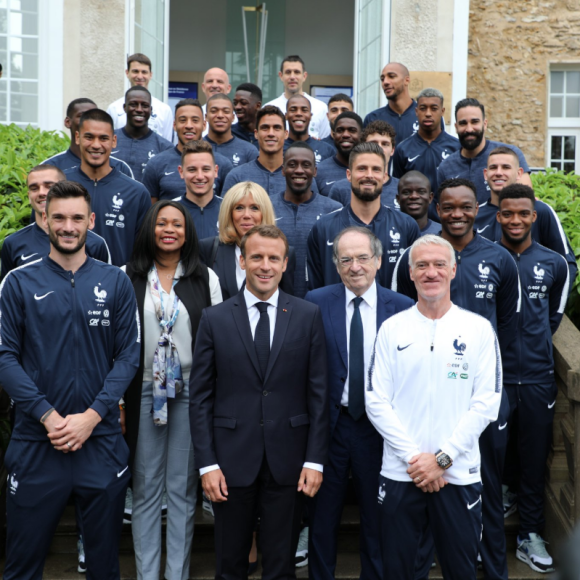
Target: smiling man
(347, 134)
(337, 104)
(32, 242)
(247, 102)
(139, 72)
(431, 469)
(260, 432)
(161, 177)
(137, 144)
(119, 202)
(414, 198)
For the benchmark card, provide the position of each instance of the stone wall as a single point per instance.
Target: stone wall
(511, 47)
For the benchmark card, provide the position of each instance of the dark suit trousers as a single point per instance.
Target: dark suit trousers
(355, 447)
(279, 508)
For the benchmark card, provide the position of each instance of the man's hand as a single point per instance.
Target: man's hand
(214, 485)
(435, 486)
(424, 470)
(72, 431)
(310, 481)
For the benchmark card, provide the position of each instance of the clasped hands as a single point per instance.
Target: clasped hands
(69, 433)
(426, 473)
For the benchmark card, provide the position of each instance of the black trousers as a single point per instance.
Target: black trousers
(279, 508)
(40, 481)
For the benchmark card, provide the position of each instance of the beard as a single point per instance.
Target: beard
(367, 195)
(472, 144)
(63, 250)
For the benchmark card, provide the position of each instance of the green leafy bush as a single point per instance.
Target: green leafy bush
(20, 150)
(561, 191)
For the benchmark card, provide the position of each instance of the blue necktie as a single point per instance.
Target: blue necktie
(356, 365)
(262, 337)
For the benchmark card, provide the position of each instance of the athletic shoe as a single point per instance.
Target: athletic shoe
(82, 566)
(128, 513)
(302, 550)
(479, 562)
(206, 504)
(510, 501)
(164, 504)
(532, 551)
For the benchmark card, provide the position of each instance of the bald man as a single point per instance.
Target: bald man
(215, 80)
(399, 111)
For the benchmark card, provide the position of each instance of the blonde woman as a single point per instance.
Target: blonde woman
(245, 205)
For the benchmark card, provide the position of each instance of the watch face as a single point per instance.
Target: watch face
(443, 460)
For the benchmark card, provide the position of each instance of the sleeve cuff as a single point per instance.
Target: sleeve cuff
(100, 408)
(204, 470)
(315, 466)
(40, 409)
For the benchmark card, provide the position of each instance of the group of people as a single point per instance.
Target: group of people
(286, 299)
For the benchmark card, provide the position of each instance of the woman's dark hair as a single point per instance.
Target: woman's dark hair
(144, 250)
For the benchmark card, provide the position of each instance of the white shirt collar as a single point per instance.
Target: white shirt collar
(252, 300)
(370, 296)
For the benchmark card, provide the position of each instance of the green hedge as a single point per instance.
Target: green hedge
(20, 150)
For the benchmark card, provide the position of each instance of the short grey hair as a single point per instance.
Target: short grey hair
(431, 240)
(429, 93)
(375, 243)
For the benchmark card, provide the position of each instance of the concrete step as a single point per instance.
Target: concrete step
(64, 566)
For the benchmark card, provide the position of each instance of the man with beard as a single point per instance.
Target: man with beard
(136, 142)
(69, 347)
(384, 135)
(430, 145)
(470, 161)
(71, 158)
(32, 241)
(395, 230)
(347, 133)
(119, 203)
(486, 282)
(247, 103)
(298, 208)
(161, 176)
(414, 198)
(298, 115)
(400, 110)
(220, 116)
(503, 169)
(528, 364)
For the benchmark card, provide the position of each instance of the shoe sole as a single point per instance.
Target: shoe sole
(512, 510)
(302, 564)
(81, 570)
(527, 560)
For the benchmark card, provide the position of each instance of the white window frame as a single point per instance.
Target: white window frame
(564, 122)
(563, 132)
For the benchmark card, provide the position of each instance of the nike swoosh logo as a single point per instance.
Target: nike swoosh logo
(329, 243)
(411, 159)
(472, 505)
(43, 296)
(121, 472)
(404, 347)
(278, 219)
(113, 152)
(482, 229)
(120, 114)
(330, 182)
(24, 258)
(550, 406)
(502, 427)
(170, 173)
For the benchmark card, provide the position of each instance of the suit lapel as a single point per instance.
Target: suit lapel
(230, 269)
(384, 308)
(338, 318)
(240, 314)
(284, 311)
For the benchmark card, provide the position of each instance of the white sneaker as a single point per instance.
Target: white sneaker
(128, 513)
(302, 549)
(206, 504)
(82, 566)
(532, 551)
(510, 501)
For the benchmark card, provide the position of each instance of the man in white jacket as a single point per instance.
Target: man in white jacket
(433, 387)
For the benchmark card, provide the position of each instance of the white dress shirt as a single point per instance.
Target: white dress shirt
(319, 127)
(368, 314)
(254, 317)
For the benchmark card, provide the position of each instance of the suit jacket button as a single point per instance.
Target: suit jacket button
(265, 393)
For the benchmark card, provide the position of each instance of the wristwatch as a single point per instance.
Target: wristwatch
(443, 460)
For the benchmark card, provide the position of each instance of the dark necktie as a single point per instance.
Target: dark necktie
(262, 337)
(356, 365)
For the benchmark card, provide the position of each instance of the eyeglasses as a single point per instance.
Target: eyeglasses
(362, 260)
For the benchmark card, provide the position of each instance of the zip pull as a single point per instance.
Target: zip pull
(432, 347)
(72, 282)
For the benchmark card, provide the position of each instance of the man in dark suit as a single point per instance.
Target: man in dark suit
(259, 411)
(352, 312)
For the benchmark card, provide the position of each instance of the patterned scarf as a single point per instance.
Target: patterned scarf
(167, 378)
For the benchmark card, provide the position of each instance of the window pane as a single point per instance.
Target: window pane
(24, 66)
(3, 21)
(29, 5)
(29, 88)
(556, 82)
(572, 106)
(570, 147)
(556, 165)
(29, 23)
(24, 109)
(556, 148)
(573, 82)
(568, 167)
(556, 106)
(3, 117)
